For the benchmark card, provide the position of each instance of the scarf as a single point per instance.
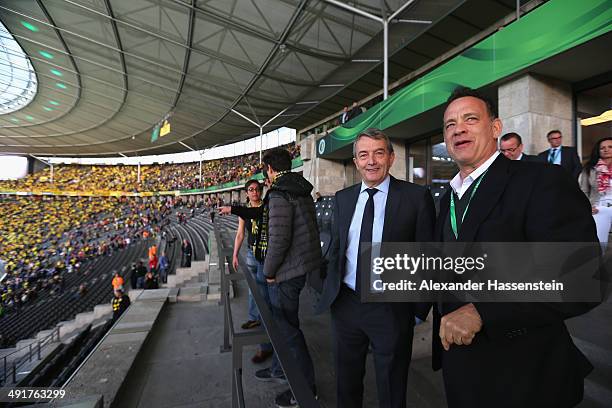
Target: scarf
(261, 243)
(603, 176)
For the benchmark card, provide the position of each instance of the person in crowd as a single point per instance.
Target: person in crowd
(382, 208)
(485, 347)
(254, 200)
(254, 265)
(117, 281)
(511, 145)
(355, 111)
(564, 156)
(344, 117)
(134, 276)
(290, 246)
(162, 266)
(595, 182)
(293, 251)
(187, 251)
(120, 303)
(151, 281)
(153, 261)
(141, 271)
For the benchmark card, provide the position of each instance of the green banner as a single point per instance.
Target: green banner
(549, 30)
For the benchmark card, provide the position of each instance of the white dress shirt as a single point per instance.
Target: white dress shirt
(557, 155)
(352, 246)
(460, 186)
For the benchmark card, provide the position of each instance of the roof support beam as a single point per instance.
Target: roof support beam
(384, 20)
(261, 127)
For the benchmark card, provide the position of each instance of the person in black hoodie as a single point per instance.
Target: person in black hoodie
(290, 244)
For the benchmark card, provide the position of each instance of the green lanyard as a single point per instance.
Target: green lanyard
(453, 216)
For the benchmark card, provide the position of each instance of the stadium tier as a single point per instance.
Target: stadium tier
(306, 203)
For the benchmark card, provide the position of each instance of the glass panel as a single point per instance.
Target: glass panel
(18, 81)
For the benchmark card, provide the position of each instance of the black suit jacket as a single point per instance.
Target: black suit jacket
(523, 356)
(569, 160)
(409, 217)
(528, 157)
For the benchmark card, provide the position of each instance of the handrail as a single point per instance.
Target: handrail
(298, 384)
(20, 361)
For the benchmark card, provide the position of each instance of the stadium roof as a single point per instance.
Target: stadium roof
(109, 71)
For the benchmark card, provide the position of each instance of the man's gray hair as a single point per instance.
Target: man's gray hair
(372, 133)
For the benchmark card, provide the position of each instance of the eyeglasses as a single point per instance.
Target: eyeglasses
(252, 189)
(510, 149)
(554, 138)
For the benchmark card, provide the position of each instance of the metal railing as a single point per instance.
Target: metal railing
(34, 348)
(237, 341)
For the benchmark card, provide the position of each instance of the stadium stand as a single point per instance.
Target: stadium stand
(158, 177)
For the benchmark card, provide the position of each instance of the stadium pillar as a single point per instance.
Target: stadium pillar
(138, 172)
(51, 173)
(399, 169)
(327, 176)
(532, 106)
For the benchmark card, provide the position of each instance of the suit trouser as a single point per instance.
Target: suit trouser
(285, 302)
(389, 328)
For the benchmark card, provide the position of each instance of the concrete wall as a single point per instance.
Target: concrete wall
(327, 176)
(533, 105)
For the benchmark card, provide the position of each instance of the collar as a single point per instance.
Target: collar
(383, 186)
(456, 182)
(520, 157)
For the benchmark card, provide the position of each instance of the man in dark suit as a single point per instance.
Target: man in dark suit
(506, 354)
(511, 145)
(564, 156)
(355, 111)
(344, 117)
(379, 209)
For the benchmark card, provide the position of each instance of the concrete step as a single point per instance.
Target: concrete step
(173, 295)
(101, 310)
(84, 318)
(41, 335)
(24, 343)
(191, 294)
(7, 351)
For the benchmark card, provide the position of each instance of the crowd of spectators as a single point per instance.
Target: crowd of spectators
(156, 177)
(41, 240)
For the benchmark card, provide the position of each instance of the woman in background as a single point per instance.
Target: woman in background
(595, 181)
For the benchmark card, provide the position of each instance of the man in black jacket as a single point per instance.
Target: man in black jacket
(120, 303)
(379, 209)
(506, 354)
(290, 244)
(564, 156)
(511, 145)
(187, 251)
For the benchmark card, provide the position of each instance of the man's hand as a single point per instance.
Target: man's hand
(594, 210)
(225, 210)
(235, 262)
(460, 327)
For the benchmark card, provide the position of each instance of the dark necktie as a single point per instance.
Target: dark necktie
(365, 236)
(553, 155)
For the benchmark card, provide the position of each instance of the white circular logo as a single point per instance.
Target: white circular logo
(321, 146)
